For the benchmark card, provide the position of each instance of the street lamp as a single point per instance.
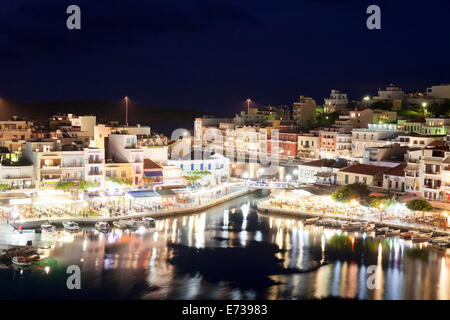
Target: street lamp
(366, 98)
(424, 108)
(126, 110)
(248, 105)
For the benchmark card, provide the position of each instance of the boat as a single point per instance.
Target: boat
(440, 241)
(369, 227)
(133, 223)
(151, 221)
(352, 226)
(393, 232)
(119, 224)
(102, 226)
(381, 231)
(48, 228)
(422, 237)
(408, 235)
(71, 225)
(20, 261)
(309, 220)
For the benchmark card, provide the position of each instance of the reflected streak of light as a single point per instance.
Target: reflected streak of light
(155, 236)
(379, 274)
(322, 245)
(443, 281)
(226, 218)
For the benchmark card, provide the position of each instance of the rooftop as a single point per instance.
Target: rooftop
(366, 169)
(397, 171)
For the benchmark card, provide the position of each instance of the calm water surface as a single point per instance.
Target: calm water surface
(235, 257)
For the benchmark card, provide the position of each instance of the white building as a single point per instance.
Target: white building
(336, 102)
(125, 148)
(441, 92)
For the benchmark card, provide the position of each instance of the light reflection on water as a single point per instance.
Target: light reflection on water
(123, 264)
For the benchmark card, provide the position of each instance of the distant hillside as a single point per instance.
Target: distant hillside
(105, 111)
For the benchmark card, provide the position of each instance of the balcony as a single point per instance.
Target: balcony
(95, 173)
(51, 167)
(96, 161)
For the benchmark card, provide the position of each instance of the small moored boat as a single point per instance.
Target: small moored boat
(393, 232)
(102, 226)
(71, 225)
(20, 261)
(422, 237)
(311, 220)
(151, 222)
(48, 228)
(119, 224)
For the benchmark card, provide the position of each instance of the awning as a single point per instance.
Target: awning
(166, 192)
(149, 174)
(143, 194)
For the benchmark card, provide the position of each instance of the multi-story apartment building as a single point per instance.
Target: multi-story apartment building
(45, 156)
(308, 146)
(337, 102)
(343, 145)
(304, 110)
(327, 140)
(125, 148)
(94, 165)
(377, 135)
(441, 91)
(285, 147)
(415, 140)
(14, 133)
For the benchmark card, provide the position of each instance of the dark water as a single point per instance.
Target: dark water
(230, 252)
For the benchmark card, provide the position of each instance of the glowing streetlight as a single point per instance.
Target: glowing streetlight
(366, 98)
(245, 175)
(126, 110)
(248, 104)
(288, 177)
(424, 107)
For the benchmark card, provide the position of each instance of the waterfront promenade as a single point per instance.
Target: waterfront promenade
(264, 207)
(188, 208)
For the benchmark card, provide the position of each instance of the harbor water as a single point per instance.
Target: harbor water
(231, 252)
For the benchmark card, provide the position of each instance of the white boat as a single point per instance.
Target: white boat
(352, 226)
(440, 240)
(48, 228)
(71, 225)
(381, 231)
(311, 220)
(102, 226)
(119, 224)
(393, 232)
(20, 261)
(422, 237)
(369, 227)
(134, 223)
(151, 221)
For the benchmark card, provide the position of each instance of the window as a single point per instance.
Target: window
(123, 174)
(356, 179)
(365, 180)
(346, 179)
(192, 167)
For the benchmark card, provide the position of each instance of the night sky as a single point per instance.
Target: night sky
(213, 54)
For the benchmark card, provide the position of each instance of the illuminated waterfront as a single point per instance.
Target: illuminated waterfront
(123, 264)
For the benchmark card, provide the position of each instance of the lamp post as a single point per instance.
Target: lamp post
(424, 108)
(126, 110)
(248, 105)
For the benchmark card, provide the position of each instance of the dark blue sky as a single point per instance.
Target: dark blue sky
(212, 54)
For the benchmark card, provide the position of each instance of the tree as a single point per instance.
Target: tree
(67, 185)
(84, 185)
(4, 187)
(440, 109)
(382, 105)
(354, 191)
(419, 205)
